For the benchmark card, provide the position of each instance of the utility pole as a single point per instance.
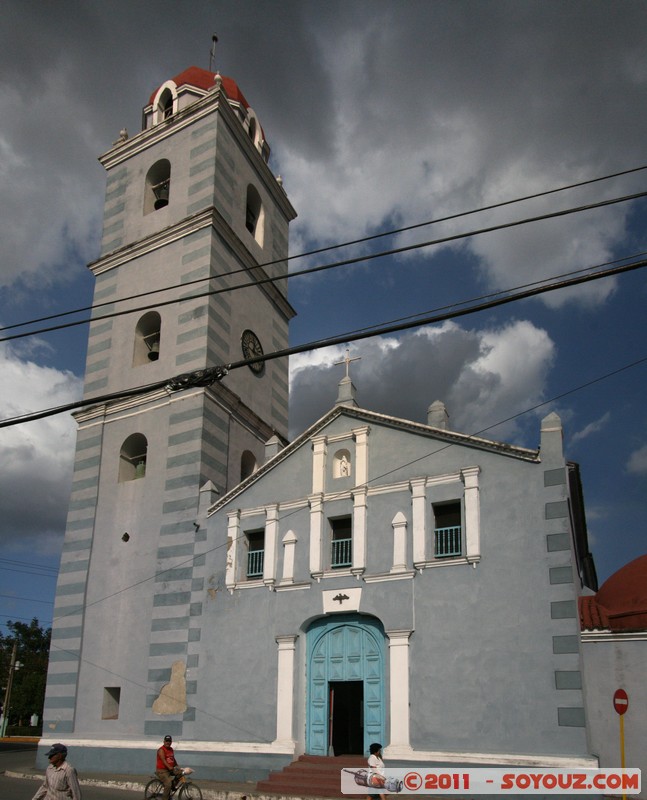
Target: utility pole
(7, 695)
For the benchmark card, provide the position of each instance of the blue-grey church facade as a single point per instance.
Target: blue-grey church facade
(450, 643)
(376, 579)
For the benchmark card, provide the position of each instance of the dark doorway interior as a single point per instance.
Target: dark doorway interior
(347, 717)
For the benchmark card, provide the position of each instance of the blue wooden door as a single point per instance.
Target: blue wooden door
(348, 648)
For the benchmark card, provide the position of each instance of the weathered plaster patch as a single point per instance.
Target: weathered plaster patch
(213, 588)
(172, 697)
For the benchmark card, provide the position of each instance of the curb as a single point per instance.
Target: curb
(105, 784)
(20, 739)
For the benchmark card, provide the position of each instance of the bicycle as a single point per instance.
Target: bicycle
(182, 785)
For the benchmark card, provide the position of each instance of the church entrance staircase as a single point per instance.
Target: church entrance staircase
(312, 776)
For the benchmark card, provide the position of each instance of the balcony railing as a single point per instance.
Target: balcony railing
(255, 560)
(447, 542)
(342, 553)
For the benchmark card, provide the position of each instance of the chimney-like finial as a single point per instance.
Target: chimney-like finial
(437, 416)
(212, 54)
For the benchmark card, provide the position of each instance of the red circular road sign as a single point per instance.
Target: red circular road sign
(621, 701)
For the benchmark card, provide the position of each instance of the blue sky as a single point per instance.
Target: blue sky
(380, 116)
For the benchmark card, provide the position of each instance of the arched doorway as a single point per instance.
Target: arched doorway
(345, 702)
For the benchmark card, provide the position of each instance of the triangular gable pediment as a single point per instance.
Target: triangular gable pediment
(365, 416)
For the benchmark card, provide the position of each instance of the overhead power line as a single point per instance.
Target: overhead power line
(342, 263)
(210, 375)
(27, 599)
(350, 243)
(26, 571)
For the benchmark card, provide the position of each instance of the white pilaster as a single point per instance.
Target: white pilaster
(470, 478)
(359, 530)
(399, 525)
(316, 534)
(289, 544)
(285, 690)
(399, 691)
(271, 534)
(361, 455)
(319, 453)
(233, 533)
(419, 520)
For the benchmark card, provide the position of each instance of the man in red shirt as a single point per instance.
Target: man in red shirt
(167, 767)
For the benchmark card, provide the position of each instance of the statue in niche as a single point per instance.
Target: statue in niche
(342, 465)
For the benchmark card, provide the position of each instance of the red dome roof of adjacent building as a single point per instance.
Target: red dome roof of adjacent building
(204, 79)
(621, 602)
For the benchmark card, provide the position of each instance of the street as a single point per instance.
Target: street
(24, 789)
(18, 756)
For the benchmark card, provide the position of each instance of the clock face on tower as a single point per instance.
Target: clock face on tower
(252, 349)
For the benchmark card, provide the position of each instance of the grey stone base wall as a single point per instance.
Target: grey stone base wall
(226, 767)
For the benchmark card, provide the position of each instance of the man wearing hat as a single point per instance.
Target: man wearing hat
(61, 780)
(166, 767)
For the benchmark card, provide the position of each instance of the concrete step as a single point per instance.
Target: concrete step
(312, 776)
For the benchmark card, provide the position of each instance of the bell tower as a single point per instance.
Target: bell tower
(193, 263)
(193, 214)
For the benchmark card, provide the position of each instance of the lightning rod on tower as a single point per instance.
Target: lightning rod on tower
(212, 54)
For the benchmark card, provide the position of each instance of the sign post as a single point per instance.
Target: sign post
(621, 705)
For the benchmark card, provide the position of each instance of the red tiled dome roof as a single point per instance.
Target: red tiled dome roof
(204, 79)
(621, 602)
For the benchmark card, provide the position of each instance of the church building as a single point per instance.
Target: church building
(376, 579)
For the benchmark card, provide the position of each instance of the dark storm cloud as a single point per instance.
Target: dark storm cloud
(475, 373)
(376, 111)
(33, 510)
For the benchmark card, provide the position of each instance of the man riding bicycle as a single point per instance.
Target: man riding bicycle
(167, 768)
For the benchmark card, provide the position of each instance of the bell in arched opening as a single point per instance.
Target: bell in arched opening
(154, 352)
(161, 192)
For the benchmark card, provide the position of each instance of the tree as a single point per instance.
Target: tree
(28, 689)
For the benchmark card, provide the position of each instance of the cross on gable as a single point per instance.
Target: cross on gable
(347, 361)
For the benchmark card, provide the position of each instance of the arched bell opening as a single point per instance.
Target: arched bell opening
(248, 464)
(132, 458)
(255, 214)
(148, 333)
(157, 190)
